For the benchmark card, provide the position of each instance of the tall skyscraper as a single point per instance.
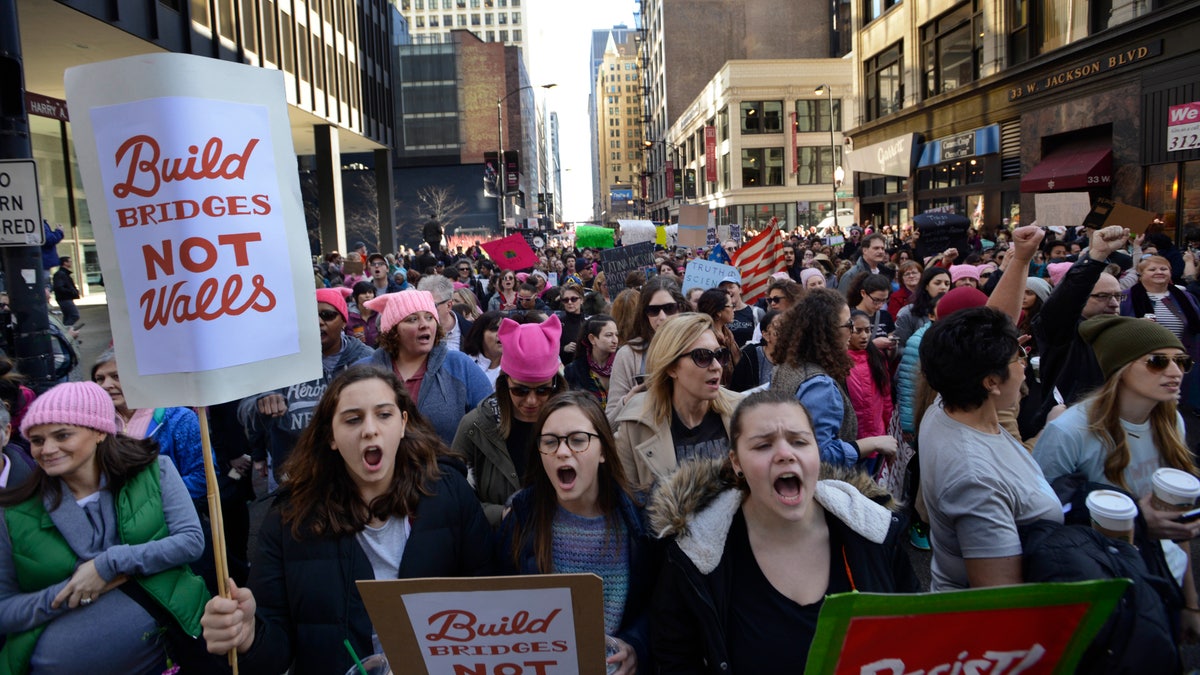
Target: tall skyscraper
(618, 114)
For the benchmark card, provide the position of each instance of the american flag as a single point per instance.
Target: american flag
(758, 259)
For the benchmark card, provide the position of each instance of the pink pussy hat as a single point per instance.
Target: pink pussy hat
(1057, 271)
(530, 349)
(963, 272)
(334, 297)
(80, 404)
(396, 307)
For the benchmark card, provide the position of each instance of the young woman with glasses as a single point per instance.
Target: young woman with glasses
(1130, 428)
(496, 436)
(660, 300)
(571, 316)
(576, 515)
(869, 293)
(683, 414)
(814, 370)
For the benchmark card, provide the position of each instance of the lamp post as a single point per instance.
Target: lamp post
(502, 191)
(837, 179)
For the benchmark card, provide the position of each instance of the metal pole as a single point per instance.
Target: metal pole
(832, 163)
(502, 177)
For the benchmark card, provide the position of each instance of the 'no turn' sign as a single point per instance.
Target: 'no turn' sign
(20, 209)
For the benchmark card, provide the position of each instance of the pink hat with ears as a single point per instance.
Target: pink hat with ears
(530, 349)
(396, 307)
(336, 297)
(963, 272)
(1057, 271)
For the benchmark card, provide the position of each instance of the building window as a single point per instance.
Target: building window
(1038, 26)
(873, 9)
(474, 19)
(504, 36)
(883, 76)
(813, 115)
(814, 166)
(762, 167)
(723, 124)
(951, 50)
(762, 117)
(516, 35)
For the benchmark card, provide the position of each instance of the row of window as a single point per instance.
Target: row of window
(406, 5)
(463, 20)
(766, 117)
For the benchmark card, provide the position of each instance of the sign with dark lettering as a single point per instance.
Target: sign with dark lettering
(1030, 628)
(620, 261)
(544, 624)
(940, 231)
(20, 208)
(959, 146)
(209, 289)
(1090, 68)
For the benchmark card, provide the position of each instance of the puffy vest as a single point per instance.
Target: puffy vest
(42, 558)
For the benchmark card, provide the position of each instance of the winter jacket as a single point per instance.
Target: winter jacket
(645, 446)
(645, 560)
(835, 425)
(572, 326)
(492, 471)
(752, 370)
(177, 431)
(281, 433)
(1067, 362)
(907, 323)
(629, 363)
(858, 268)
(874, 409)
(899, 299)
(63, 284)
(579, 377)
(696, 508)
(364, 330)
(908, 376)
(452, 387)
(50, 258)
(308, 602)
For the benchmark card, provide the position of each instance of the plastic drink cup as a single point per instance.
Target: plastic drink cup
(610, 649)
(1113, 514)
(1174, 490)
(376, 664)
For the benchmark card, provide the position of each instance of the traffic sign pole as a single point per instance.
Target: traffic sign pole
(24, 278)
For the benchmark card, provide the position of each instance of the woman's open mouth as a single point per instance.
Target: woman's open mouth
(373, 458)
(788, 488)
(566, 477)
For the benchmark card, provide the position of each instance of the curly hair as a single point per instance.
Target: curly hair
(811, 333)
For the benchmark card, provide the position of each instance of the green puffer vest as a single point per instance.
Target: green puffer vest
(42, 558)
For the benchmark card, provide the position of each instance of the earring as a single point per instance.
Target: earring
(739, 474)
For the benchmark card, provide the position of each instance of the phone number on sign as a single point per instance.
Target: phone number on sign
(1183, 138)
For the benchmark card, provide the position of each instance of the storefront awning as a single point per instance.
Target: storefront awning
(1077, 166)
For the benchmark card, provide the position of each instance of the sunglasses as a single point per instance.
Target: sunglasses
(542, 391)
(571, 299)
(703, 358)
(775, 299)
(328, 314)
(1159, 362)
(670, 309)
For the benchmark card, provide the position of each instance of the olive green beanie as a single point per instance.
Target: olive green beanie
(1118, 340)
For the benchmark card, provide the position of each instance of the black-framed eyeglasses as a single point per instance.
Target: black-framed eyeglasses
(378, 263)
(877, 300)
(577, 442)
(703, 358)
(543, 391)
(328, 314)
(1159, 362)
(670, 309)
(1107, 297)
(849, 325)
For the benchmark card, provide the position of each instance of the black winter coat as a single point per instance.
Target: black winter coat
(1067, 362)
(308, 602)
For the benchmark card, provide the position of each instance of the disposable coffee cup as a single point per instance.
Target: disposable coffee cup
(1174, 490)
(1113, 514)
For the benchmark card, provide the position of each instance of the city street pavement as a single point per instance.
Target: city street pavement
(96, 337)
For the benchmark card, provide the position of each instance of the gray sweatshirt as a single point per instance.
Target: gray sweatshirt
(113, 634)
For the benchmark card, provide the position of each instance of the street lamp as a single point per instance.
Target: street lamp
(838, 174)
(502, 192)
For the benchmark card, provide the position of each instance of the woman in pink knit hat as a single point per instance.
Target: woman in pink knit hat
(85, 592)
(496, 437)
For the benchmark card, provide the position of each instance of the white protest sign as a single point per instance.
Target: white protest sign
(20, 208)
(191, 181)
(1061, 209)
(636, 231)
(707, 274)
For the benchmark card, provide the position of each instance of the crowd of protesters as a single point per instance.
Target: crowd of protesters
(723, 463)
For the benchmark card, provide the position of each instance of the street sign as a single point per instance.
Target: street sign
(20, 209)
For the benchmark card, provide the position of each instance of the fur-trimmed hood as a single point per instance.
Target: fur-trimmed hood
(696, 506)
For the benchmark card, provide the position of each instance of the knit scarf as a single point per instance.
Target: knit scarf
(601, 370)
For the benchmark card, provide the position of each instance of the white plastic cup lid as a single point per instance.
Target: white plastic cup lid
(1176, 482)
(1111, 509)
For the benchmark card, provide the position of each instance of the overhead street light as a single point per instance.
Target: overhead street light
(838, 173)
(502, 192)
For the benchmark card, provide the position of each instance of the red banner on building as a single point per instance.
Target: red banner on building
(670, 170)
(710, 153)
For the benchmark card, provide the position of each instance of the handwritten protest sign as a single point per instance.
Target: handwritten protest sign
(1061, 209)
(192, 183)
(620, 261)
(550, 624)
(707, 274)
(1108, 212)
(1032, 628)
(693, 225)
(940, 231)
(636, 231)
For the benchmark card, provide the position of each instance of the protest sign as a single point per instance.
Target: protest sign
(1061, 209)
(546, 624)
(636, 231)
(1031, 628)
(192, 184)
(693, 225)
(707, 274)
(1107, 212)
(511, 252)
(940, 231)
(592, 236)
(620, 261)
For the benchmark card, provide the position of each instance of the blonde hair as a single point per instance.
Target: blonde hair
(671, 341)
(1152, 260)
(1104, 421)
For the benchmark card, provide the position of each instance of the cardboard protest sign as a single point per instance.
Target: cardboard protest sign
(548, 624)
(593, 236)
(193, 194)
(1031, 628)
(620, 261)
(511, 252)
(1108, 212)
(693, 225)
(940, 231)
(636, 231)
(707, 274)
(1061, 209)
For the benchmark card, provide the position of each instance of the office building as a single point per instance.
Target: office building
(618, 115)
(431, 21)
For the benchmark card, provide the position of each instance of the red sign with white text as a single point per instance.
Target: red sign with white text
(710, 154)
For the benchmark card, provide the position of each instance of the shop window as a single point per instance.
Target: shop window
(762, 117)
(815, 165)
(873, 9)
(883, 75)
(813, 115)
(951, 50)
